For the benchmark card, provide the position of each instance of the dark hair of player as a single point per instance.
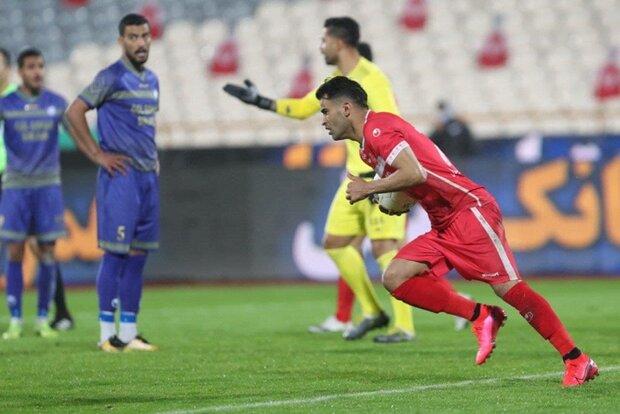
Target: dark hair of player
(344, 28)
(26, 53)
(132, 19)
(365, 50)
(6, 55)
(343, 87)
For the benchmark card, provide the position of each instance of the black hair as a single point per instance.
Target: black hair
(6, 55)
(344, 28)
(26, 53)
(132, 19)
(365, 50)
(343, 87)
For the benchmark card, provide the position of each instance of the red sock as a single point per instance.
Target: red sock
(344, 304)
(435, 295)
(538, 313)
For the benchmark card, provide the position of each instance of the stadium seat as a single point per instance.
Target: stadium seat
(555, 49)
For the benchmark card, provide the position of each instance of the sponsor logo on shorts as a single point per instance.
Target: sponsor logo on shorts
(489, 275)
(528, 316)
(1, 220)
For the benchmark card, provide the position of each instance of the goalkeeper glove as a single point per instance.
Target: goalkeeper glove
(249, 94)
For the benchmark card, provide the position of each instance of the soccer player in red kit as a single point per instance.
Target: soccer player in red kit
(466, 228)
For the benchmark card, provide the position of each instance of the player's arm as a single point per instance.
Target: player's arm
(301, 108)
(408, 173)
(76, 125)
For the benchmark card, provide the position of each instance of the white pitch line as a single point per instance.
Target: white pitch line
(330, 397)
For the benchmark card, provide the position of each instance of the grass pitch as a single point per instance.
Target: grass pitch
(246, 349)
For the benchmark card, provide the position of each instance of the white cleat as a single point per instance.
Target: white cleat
(331, 324)
(139, 344)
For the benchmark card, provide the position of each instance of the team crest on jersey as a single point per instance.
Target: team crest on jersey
(51, 110)
(155, 94)
(376, 132)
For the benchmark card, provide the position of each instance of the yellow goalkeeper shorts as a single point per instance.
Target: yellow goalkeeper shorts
(362, 218)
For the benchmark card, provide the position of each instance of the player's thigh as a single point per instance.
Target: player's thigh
(422, 255)
(478, 248)
(48, 213)
(15, 214)
(146, 235)
(118, 208)
(343, 218)
(381, 226)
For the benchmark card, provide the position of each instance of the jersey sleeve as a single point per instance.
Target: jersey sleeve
(387, 143)
(99, 89)
(300, 108)
(380, 95)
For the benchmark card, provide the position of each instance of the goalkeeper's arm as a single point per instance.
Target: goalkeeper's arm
(293, 108)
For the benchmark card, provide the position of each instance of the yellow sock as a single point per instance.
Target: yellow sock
(352, 268)
(403, 316)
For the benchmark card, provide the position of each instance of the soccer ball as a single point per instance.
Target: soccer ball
(397, 202)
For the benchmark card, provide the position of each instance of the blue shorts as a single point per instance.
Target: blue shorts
(35, 212)
(128, 211)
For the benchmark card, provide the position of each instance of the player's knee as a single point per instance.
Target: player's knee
(336, 242)
(393, 277)
(381, 247)
(47, 255)
(15, 251)
(502, 288)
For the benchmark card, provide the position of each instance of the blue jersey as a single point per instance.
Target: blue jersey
(126, 102)
(31, 126)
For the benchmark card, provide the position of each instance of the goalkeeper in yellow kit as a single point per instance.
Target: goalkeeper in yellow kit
(345, 222)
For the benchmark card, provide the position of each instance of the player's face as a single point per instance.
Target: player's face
(335, 118)
(330, 46)
(136, 41)
(32, 72)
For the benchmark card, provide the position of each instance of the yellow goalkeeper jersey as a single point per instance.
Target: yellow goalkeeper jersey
(380, 99)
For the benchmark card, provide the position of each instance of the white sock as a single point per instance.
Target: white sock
(128, 331)
(16, 320)
(107, 330)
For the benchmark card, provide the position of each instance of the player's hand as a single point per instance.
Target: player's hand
(112, 162)
(249, 94)
(357, 189)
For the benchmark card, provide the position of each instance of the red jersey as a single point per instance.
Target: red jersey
(445, 192)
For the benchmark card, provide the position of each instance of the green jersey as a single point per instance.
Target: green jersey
(11, 87)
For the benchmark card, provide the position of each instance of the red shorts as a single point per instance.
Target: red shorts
(474, 244)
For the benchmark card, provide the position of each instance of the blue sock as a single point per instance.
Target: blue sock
(130, 288)
(130, 292)
(110, 271)
(14, 288)
(109, 274)
(46, 283)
